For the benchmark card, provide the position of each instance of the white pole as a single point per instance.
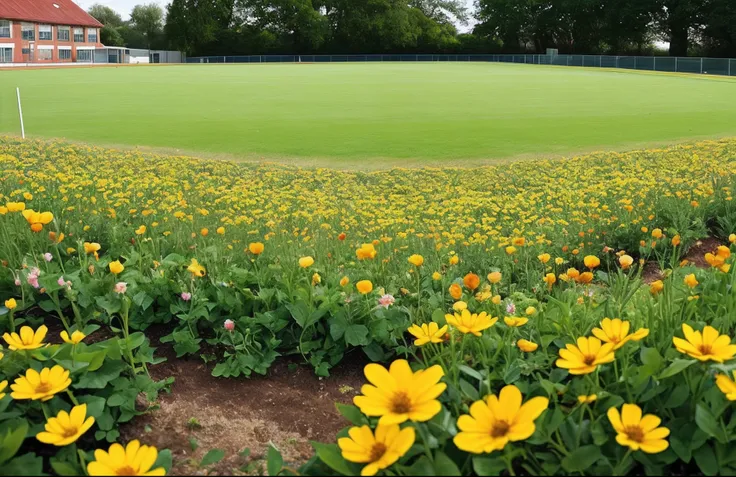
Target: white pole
(20, 112)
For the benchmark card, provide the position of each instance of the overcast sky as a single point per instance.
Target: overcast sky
(124, 7)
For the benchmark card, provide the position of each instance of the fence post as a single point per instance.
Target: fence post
(568, 60)
(617, 57)
(655, 63)
(729, 67)
(675, 64)
(701, 65)
(636, 62)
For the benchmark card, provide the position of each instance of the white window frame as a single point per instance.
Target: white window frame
(65, 48)
(78, 31)
(67, 29)
(92, 30)
(44, 48)
(91, 53)
(46, 29)
(12, 49)
(24, 27)
(10, 28)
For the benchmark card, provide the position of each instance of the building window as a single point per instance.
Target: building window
(45, 55)
(92, 36)
(28, 31)
(65, 55)
(6, 55)
(79, 35)
(84, 56)
(62, 33)
(4, 28)
(44, 32)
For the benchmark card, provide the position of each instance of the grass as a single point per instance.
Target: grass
(346, 114)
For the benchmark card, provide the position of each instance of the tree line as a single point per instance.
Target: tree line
(245, 27)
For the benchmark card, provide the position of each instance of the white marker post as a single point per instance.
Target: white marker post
(20, 112)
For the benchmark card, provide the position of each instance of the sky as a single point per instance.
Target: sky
(123, 7)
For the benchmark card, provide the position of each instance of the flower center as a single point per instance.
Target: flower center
(401, 404)
(635, 433)
(70, 432)
(615, 339)
(43, 387)
(589, 360)
(377, 451)
(705, 349)
(500, 429)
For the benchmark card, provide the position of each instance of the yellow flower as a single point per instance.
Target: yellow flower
(196, 269)
(91, 247)
(436, 276)
(637, 432)
(256, 248)
(732, 238)
(203, 232)
(76, 337)
(134, 459)
(656, 287)
(380, 451)
(583, 399)
(467, 322)
(724, 383)
(456, 291)
(344, 281)
(676, 240)
(3, 385)
(691, 281)
(706, 346)
(573, 273)
(16, 206)
(140, 230)
(616, 331)
(367, 250)
(544, 258)
(626, 261)
(43, 385)
(364, 286)
(586, 356)
(27, 338)
(591, 261)
(494, 277)
(559, 260)
(527, 346)
(454, 260)
(428, 333)
(220, 230)
(37, 219)
(66, 428)
(657, 234)
(398, 394)
(305, 262)
(459, 306)
(496, 300)
(550, 279)
(510, 250)
(530, 311)
(471, 281)
(316, 279)
(495, 422)
(416, 260)
(514, 321)
(518, 241)
(11, 304)
(116, 267)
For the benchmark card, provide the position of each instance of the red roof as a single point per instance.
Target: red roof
(57, 12)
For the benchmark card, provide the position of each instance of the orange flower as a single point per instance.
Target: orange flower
(626, 261)
(456, 291)
(591, 261)
(656, 287)
(494, 277)
(342, 236)
(471, 281)
(676, 240)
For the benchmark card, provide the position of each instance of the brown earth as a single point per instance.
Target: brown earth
(695, 256)
(289, 407)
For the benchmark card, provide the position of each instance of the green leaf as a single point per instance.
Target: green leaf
(351, 413)
(651, 359)
(676, 367)
(27, 464)
(581, 459)
(469, 390)
(164, 460)
(488, 466)
(438, 316)
(12, 440)
(64, 468)
(707, 423)
(274, 460)
(356, 335)
(212, 457)
(443, 465)
(95, 405)
(513, 373)
(706, 460)
(94, 359)
(143, 300)
(331, 456)
(678, 396)
(470, 372)
(423, 466)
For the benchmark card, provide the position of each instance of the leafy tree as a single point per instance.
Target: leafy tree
(110, 36)
(105, 15)
(148, 20)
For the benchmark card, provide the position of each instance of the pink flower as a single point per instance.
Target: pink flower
(35, 271)
(386, 300)
(33, 280)
(121, 287)
(186, 296)
(229, 325)
(48, 257)
(17, 282)
(61, 281)
(511, 308)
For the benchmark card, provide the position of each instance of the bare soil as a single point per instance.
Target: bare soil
(289, 407)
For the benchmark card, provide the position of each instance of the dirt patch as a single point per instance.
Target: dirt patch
(696, 252)
(289, 407)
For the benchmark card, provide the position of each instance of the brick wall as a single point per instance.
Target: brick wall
(19, 44)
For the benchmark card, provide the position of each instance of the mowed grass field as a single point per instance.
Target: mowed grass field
(368, 113)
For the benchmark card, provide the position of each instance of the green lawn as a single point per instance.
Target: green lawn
(398, 113)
